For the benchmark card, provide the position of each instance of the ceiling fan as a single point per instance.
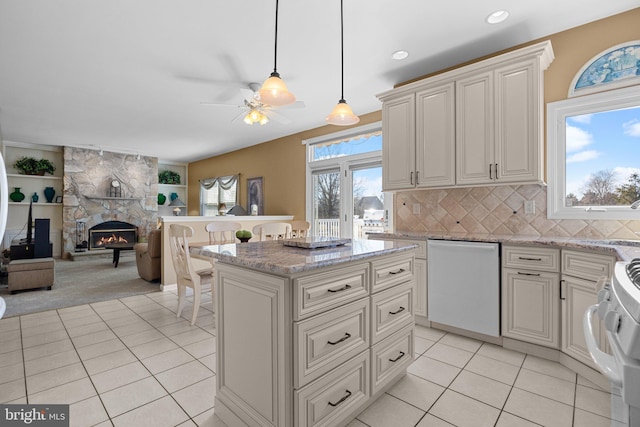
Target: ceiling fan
(255, 111)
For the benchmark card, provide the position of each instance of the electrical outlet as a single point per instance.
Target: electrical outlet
(416, 208)
(529, 206)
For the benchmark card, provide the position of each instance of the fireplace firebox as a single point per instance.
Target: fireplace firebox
(112, 232)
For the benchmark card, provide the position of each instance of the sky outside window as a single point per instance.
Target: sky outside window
(604, 141)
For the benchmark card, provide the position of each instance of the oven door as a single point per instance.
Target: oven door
(612, 366)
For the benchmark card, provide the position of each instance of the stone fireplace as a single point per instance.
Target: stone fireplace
(89, 179)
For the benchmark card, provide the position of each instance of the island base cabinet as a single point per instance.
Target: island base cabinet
(335, 397)
(254, 357)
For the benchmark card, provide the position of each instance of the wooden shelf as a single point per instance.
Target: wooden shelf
(112, 198)
(25, 203)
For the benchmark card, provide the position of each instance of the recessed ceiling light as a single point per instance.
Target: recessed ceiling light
(497, 17)
(400, 54)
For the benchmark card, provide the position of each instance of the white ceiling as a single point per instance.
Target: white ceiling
(129, 76)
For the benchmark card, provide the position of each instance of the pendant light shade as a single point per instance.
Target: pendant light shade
(342, 115)
(273, 91)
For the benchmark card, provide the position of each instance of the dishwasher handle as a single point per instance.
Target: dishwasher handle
(604, 361)
(466, 245)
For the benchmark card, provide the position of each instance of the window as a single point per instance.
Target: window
(594, 156)
(216, 193)
(344, 183)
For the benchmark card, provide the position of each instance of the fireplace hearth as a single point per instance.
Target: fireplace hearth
(111, 232)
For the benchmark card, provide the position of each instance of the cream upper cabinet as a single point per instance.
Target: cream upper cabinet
(398, 143)
(474, 125)
(499, 118)
(474, 129)
(418, 139)
(435, 136)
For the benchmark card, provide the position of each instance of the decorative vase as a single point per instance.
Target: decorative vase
(173, 196)
(244, 239)
(35, 198)
(162, 198)
(16, 196)
(49, 192)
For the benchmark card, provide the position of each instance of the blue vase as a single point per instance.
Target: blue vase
(173, 196)
(49, 192)
(35, 198)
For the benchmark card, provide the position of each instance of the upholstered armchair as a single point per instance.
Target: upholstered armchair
(148, 256)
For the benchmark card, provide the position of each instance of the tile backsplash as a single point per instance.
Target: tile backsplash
(498, 210)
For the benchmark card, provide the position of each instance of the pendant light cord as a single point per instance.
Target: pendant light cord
(275, 50)
(341, 52)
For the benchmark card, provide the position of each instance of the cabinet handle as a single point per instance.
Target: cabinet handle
(561, 286)
(490, 166)
(344, 288)
(402, 270)
(524, 258)
(397, 358)
(346, 336)
(497, 171)
(400, 310)
(528, 274)
(411, 177)
(346, 396)
(417, 177)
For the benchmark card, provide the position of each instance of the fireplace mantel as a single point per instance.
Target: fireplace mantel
(112, 198)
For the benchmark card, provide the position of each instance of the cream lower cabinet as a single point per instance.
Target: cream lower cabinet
(420, 297)
(315, 348)
(582, 277)
(530, 295)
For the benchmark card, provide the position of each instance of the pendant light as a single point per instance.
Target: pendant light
(342, 115)
(273, 91)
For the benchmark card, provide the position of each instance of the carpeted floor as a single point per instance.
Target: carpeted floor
(80, 282)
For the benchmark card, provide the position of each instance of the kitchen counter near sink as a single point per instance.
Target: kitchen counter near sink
(624, 250)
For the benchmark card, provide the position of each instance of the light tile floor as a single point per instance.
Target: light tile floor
(130, 362)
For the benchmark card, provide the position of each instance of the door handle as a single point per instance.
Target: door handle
(490, 166)
(496, 171)
(411, 177)
(417, 177)
(346, 336)
(400, 310)
(346, 396)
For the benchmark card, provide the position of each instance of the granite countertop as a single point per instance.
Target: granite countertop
(624, 250)
(274, 257)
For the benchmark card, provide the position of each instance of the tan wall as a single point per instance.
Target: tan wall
(280, 162)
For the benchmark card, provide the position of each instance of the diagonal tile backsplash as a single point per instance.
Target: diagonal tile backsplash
(498, 210)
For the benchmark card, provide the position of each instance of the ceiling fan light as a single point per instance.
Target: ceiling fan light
(274, 92)
(342, 115)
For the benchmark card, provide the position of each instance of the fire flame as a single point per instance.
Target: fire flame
(111, 239)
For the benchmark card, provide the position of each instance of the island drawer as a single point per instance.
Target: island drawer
(391, 310)
(323, 291)
(332, 399)
(329, 339)
(539, 259)
(392, 271)
(390, 357)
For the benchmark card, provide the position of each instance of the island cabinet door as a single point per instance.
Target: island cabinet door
(254, 346)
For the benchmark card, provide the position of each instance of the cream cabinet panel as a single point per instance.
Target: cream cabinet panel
(531, 306)
(435, 137)
(518, 118)
(587, 266)
(392, 271)
(474, 129)
(332, 399)
(538, 259)
(578, 295)
(329, 339)
(390, 356)
(398, 143)
(391, 310)
(256, 381)
(420, 300)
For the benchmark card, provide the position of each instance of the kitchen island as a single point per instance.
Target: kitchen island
(309, 337)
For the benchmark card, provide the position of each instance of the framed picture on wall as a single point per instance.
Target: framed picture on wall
(255, 196)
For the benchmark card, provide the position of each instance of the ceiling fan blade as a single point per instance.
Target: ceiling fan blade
(296, 105)
(272, 115)
(214, 104)
(239, 116)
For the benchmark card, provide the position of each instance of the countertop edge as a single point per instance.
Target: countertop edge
(623, 252)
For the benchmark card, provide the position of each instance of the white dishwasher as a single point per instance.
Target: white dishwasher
(464, 285)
